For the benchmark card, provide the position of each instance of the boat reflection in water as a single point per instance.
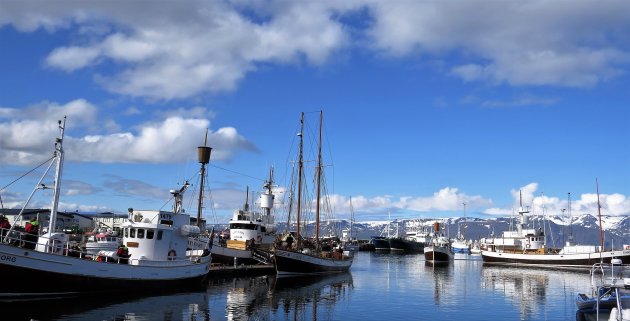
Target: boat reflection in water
(529, 289)
(287, 297)
(304, 297)
(442, 282)
(112, 306)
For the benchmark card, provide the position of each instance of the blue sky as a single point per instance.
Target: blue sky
(427, 104)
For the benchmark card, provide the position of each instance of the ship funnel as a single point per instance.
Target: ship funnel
(203, 153)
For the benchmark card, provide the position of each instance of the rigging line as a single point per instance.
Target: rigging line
(235, 172)
(17, 179)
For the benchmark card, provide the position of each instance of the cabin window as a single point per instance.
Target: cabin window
(243, 226)
(263, 229)
(150, 234)
(126, 232)
(132, 232)
(159, 236)
(140, 233)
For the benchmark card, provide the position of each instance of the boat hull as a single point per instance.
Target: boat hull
(53, 274)
(437, 254)
(381, 244)
(229, 256)
(578, 259)
(289, 262)
(402, 245)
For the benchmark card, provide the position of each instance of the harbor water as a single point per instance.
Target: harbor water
(379, 286)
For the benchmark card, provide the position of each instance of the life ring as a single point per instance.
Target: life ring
(171, 255)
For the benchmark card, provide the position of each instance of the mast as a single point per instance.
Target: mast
(463, 235)
(319, 179)
(246, 205)
(521, 213)
(599, 213)
(570, 220)
(57, 188)
(351, 219)
(266, 199)
(203, 154)
(300, 169)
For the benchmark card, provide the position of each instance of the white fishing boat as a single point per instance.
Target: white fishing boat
(157, 243)
(251, 233)
(460, 245)
(103, 240)
(303, 258)
(526, 246)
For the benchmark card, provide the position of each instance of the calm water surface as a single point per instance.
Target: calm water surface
(379, 287)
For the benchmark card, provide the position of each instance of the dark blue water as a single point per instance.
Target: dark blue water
(379, 287)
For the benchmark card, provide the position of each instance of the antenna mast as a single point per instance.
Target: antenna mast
(59, 168)
(599, 213)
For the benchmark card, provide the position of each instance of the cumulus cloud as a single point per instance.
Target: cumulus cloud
(185, 48)
(170, 141)
(538, 204)
(446, 199)
(571, 44)
(27, 135)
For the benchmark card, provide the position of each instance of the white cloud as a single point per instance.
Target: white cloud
(611, 204)
(26, 137)
(570, 43)
(170, 141)
(185, 48)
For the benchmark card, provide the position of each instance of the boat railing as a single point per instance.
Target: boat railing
(609, 275)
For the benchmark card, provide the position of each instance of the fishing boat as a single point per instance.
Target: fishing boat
(380, 243)
(527, 247)
(460, 245)
(251, 233)
(157, 246)
(409, 243)
(308, 256)
(439, 250)
(105, 239)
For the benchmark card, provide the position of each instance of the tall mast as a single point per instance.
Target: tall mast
(319, 179)
(203, 154)
(464, 234)
(57, 188)
(246, 205)
(300, 169)
(570, 219)
(599, 213)
(351, 219)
